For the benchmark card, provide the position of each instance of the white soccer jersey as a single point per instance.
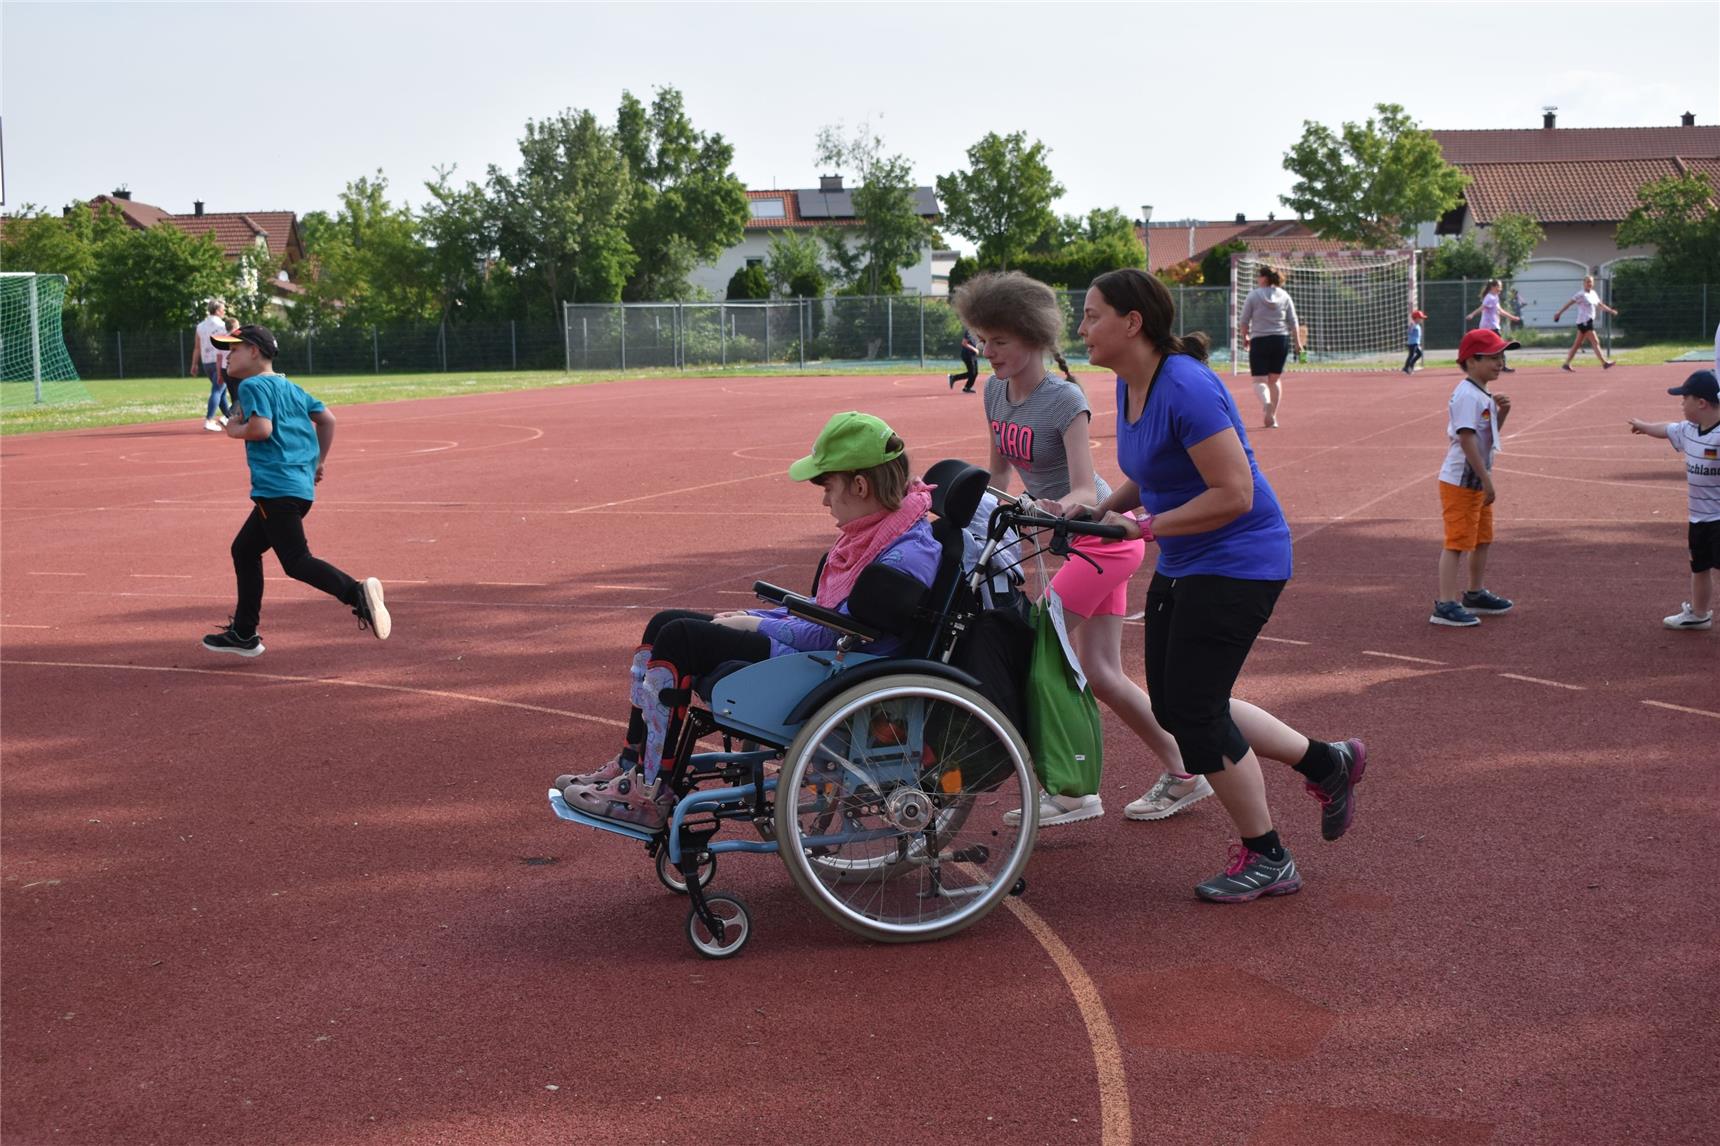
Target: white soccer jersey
(1701, 466)
(1470, 408)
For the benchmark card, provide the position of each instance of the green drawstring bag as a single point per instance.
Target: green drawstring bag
(1063, 731)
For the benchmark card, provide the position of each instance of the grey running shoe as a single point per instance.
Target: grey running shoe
(1481, 601)
(1453, 614)
(1337, 795)
(1250, 875)
(1159, 803)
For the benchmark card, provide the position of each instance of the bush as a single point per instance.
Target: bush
(749, 283)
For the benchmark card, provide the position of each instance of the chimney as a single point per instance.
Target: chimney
(122, 193)
(1271, 216)
(830, 182)
(197, 208)
(1688, 119)
(1548, 119)
(1242, 217)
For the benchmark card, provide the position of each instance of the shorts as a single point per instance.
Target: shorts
(1588, 326)
(1101, 592)
(1468, 523)
(1267, 354)
(1704, 546)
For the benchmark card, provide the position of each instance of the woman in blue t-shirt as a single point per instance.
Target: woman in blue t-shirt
(1224, 556)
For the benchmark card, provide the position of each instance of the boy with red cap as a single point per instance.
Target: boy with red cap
(1414, 340)
(1466, 480)
(1697, 437)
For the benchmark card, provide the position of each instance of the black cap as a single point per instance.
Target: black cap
(1701, 384)
(257, 336)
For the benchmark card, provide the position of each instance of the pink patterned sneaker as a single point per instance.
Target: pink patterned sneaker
(603, 773)
(626, 799)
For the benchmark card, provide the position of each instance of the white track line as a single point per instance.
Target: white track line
(35, 574)
(1282, 640)
(166, 576)
(1539, 680)
(1682, 708)
(514, 584)
(1401, 657)
(14, 625)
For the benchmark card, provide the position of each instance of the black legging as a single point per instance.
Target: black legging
(971, 361)
(1415, 355)
(278, 523)
(695, 645)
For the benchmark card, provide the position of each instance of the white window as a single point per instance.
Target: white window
(768, 209)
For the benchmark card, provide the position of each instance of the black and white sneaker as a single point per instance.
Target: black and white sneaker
(229, 641)
(372, 614)
(1250, 875)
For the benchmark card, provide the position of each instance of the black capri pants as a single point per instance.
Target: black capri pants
(1199, 631)
(1267, 354)
(695, 644)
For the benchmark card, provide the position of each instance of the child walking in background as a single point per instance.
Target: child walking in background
(1490, 312)
(970, 363)
(1466, 480)
(287, 435)
(1414, 341)
(1697, 437)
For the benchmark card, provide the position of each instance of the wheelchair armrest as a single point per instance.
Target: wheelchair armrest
(814, 612)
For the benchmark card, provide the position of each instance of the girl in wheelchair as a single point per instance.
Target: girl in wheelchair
(880, 511)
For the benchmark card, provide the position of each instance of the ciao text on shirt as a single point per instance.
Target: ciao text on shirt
(1014, 441)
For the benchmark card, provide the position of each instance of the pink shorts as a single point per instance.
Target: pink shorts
(1101, 592)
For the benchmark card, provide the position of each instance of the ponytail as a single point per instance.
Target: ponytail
(1062, 365)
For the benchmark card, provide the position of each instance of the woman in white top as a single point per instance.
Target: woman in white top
(1268, 325)
(1587, 303)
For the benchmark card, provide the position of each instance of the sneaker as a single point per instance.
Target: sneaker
(1688, 618)
(602, 774)
(372, 614)
(1337, 794)
(229, 641)
(1481, 601)
(1608, 365)
(1250, 875)
(1453, 614)
(627, 799)
(1163, 800)
(223, 420)
(1568, 368)
(1055, 811)
(211, 425)
(1508, 370)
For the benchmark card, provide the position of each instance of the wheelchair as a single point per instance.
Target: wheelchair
(880, 781)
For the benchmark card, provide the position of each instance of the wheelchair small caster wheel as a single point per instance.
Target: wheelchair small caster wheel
(1020, 887)
(671, 877)
(737, 927)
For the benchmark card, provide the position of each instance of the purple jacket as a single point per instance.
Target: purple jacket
(915, 553)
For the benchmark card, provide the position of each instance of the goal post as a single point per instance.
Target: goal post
(1352, 306)
(34, 364)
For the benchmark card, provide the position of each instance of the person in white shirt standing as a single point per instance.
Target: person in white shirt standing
(1268, 324)
(207, 364)
(1697, 437)
(1587, 303)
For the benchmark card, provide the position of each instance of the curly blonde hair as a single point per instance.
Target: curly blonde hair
(1011, 303)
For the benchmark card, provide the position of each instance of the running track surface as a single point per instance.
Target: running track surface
(319, 897)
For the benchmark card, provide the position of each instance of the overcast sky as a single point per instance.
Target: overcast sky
(1189, 107)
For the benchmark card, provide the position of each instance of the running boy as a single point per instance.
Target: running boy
(287, 435)
(1697, 437)
(1413, 339)
(1466, 480)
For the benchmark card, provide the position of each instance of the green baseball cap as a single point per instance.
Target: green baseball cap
(849, 441)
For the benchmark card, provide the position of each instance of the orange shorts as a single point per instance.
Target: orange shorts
(1468, 523)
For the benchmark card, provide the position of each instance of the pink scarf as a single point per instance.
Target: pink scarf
(864, 539)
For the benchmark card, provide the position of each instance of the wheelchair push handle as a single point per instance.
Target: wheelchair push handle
(1079, 527)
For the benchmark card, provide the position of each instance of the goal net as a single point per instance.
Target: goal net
(1352, 306)
(34, 365)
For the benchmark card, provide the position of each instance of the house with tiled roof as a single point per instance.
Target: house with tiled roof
(1180, 241)
(1578, 183)
(274, 234)
(827, 206)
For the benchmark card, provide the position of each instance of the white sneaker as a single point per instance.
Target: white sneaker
(211, 425)
(1056, 810)
(222, 419)
(1160, 802)
(1688, 618)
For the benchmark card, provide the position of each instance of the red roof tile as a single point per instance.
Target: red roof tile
(139, 215)
(792, 218)
(1169, 245)
(1578, 192)
(1580, 144)
(236, 232)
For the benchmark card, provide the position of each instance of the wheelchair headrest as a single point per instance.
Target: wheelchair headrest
(957, 487)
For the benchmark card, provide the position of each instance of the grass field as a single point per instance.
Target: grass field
(138, 400)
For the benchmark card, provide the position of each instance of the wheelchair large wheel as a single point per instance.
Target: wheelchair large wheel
(890, 808)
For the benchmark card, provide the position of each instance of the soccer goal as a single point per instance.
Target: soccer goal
(34, 365)
(1352, 306)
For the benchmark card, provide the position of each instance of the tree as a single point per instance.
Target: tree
(562, 217)
(1512, 239)
(1462, 259)
(685, 205)
(1680, 218)
(1373, 184)
(1003, 201)
(963, 269)
(748, 282)
(1079, 248)
(69, 244)
(794, 266)
(369, 266)
(892, 233)
(156, 278)
(458, 228)
(1215, 264)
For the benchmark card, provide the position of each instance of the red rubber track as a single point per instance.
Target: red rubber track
(250, 902)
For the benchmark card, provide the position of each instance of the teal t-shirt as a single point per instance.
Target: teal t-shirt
(285, 463)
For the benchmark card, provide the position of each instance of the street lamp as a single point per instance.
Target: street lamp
(1146, 214)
